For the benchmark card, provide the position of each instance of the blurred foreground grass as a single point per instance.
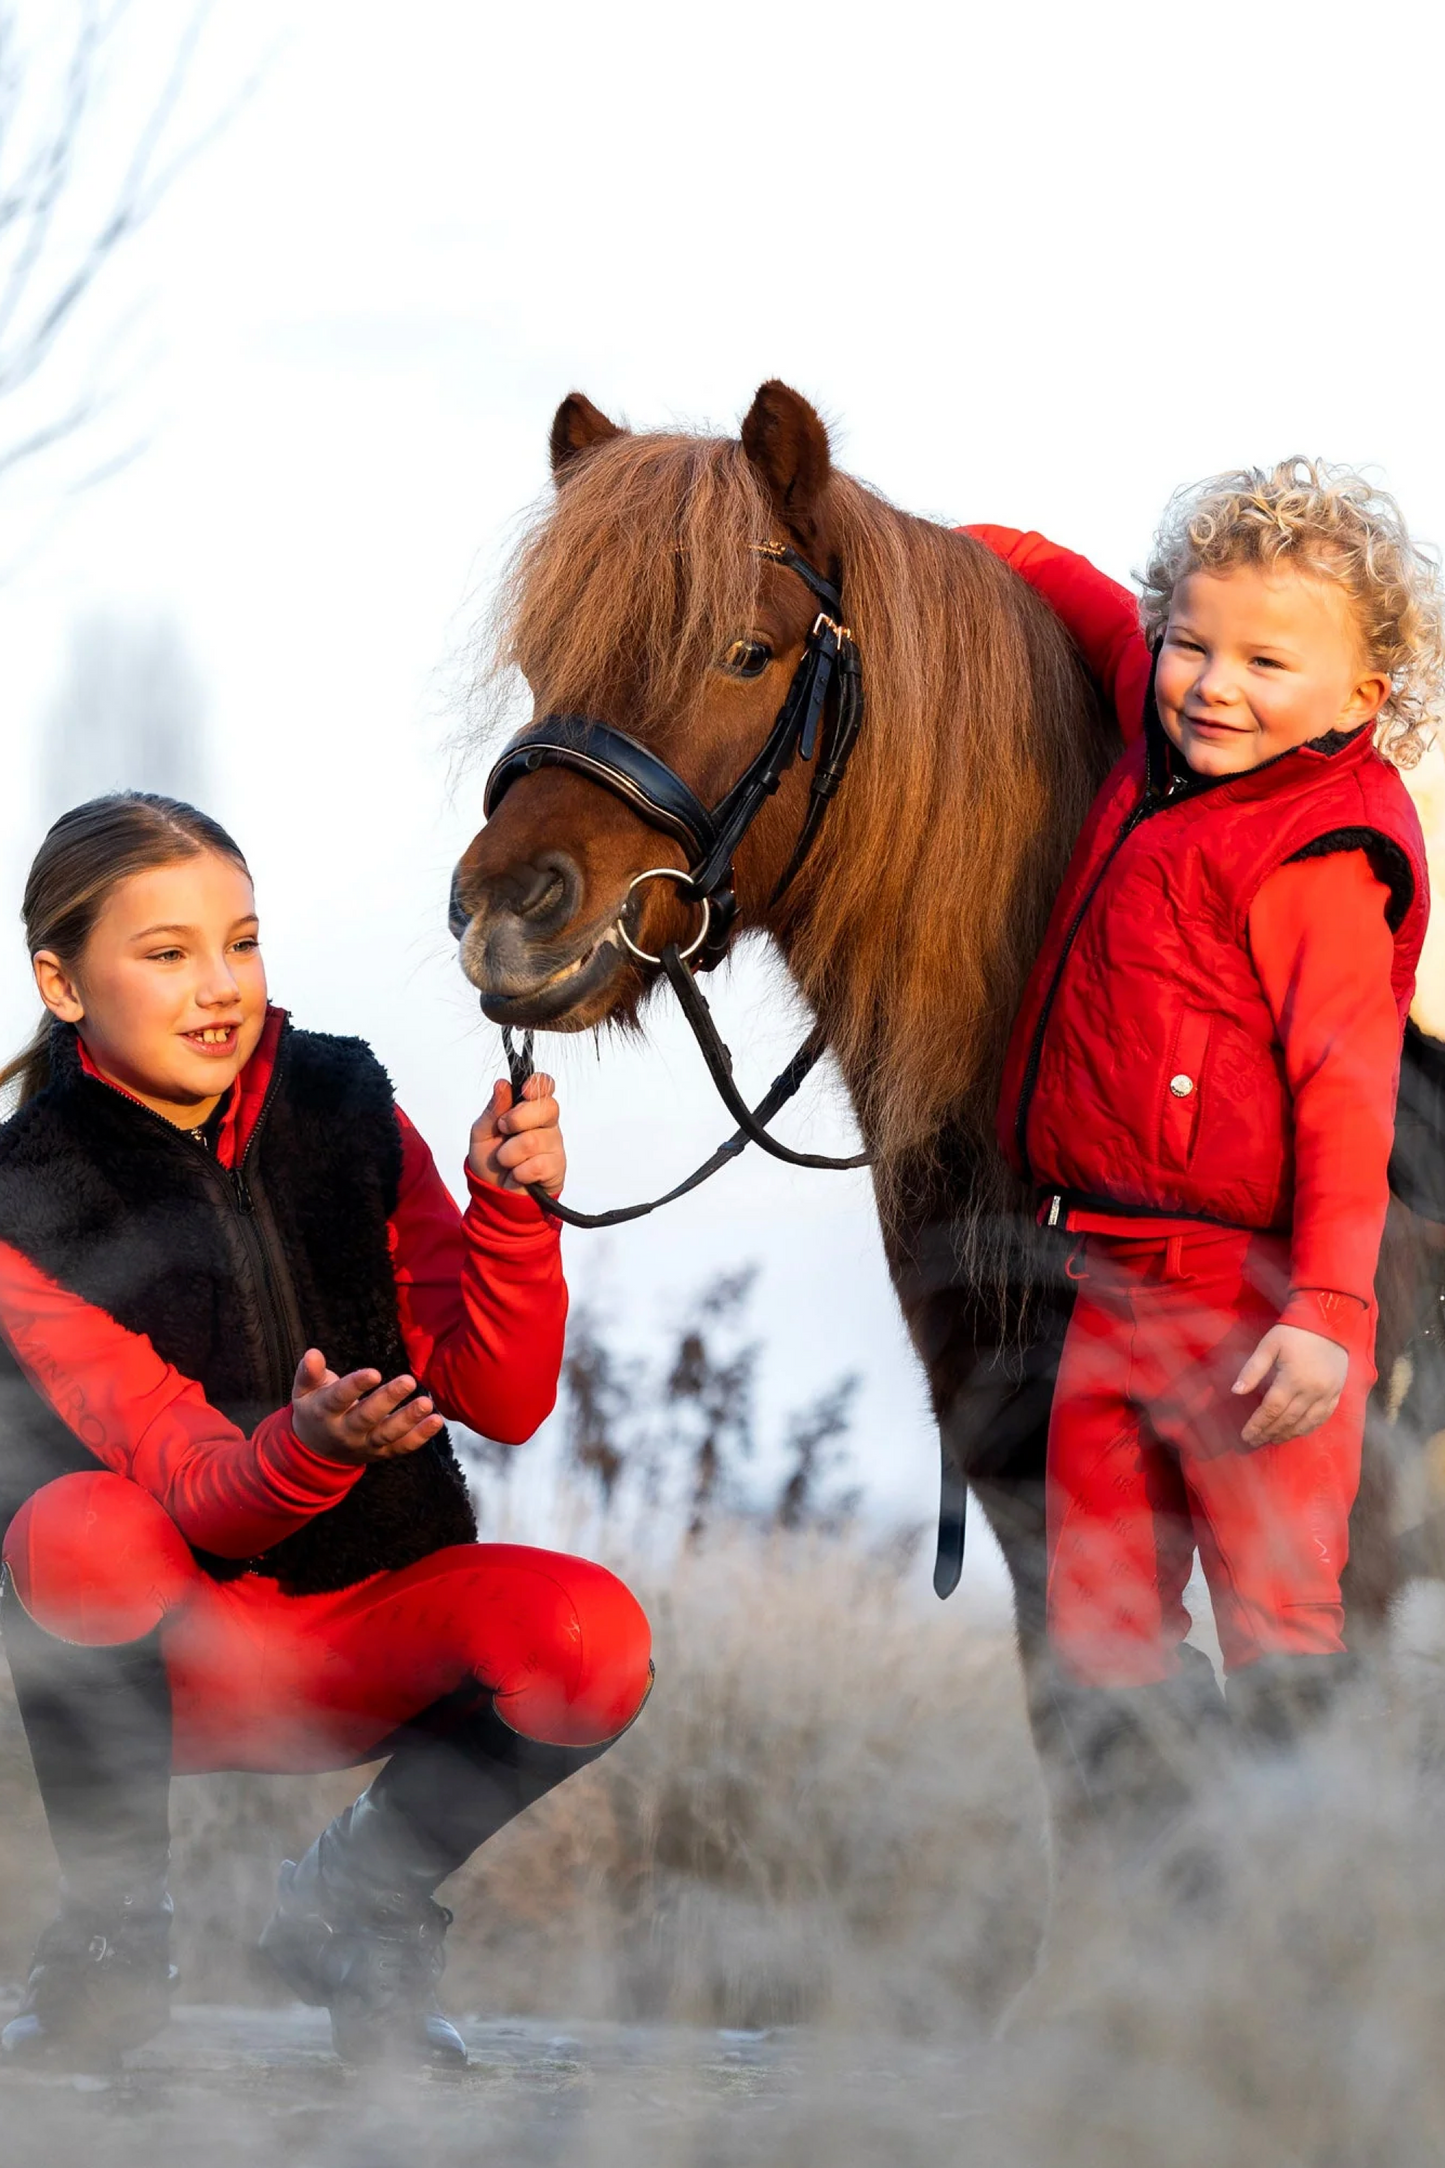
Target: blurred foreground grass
(829, 1805)
(829, 1822)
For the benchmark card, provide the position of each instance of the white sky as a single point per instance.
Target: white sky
(1037, 264)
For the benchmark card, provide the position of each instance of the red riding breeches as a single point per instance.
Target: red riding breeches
(262, 1680)
(1145, 1465)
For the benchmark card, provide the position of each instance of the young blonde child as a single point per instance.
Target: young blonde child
(1201, 1082)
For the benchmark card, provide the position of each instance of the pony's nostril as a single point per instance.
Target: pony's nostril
(535, 899)
(544, 892)
(458, 916)
(544, 886)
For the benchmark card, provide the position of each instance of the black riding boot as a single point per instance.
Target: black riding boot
(356, 1927)
(1140, 1753)
(1279, 1700)
(1135, 1759)
(98, 1723)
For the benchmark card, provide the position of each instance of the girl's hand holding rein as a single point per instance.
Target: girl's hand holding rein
(514, 1144)
(357, 1417)
(1309, 1375)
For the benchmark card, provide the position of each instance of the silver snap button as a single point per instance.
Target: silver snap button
(1181, 1086)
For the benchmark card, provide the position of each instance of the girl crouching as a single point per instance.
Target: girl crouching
(237, 1303)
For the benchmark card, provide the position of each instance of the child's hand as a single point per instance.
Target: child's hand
(1309, 1376)
(357, 1417)
(514, 1145)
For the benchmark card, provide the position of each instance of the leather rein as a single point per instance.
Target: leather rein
(822, 714)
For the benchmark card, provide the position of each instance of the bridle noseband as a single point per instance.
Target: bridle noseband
(822, 714)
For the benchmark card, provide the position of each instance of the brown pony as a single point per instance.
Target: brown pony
(639, 598)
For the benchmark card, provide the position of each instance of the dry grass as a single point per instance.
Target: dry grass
(830, 1806)
(830, 1817)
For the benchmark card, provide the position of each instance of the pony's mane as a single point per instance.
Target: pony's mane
(982, 748)
(925, 901)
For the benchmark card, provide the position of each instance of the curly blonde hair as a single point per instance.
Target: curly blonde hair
(1331, 522)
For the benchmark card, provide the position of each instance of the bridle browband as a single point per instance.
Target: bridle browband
(822, 713)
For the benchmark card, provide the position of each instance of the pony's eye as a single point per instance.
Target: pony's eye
(746, 659)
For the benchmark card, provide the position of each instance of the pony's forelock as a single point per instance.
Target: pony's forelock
(644, 554)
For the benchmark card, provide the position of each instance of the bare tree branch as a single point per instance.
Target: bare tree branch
(49, 434)
(45, 283)
(40, 187)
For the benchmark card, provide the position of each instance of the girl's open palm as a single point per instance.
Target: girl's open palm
(357, 1417)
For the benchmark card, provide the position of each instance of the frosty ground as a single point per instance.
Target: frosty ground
(779, 1923)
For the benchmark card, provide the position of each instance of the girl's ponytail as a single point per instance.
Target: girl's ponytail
(87, 853)
(30, 1069)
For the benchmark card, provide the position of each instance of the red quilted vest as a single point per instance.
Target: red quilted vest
(1144, 1074)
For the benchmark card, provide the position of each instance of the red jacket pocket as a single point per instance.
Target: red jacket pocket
(1183, 1087)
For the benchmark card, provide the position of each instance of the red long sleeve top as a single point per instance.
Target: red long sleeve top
(482, 1305)
(1323, 952)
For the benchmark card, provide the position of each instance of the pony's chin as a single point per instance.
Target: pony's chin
(579, 995)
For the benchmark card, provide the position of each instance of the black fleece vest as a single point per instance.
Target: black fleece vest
(231, 1276)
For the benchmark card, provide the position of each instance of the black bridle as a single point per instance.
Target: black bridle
(822, 713)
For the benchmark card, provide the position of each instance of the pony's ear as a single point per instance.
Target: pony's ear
(576, 426)
(788, 445)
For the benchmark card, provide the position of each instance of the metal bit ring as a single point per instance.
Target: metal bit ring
(663, 873)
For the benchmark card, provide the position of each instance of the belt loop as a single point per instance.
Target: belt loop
(1174, 1258)
(1076, 1258)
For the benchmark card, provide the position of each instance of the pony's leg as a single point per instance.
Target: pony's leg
(1014, 1509)
(1377, 1567)
(996, 1427)
(1397, 1528)
(994, 1404)
(1099, 1754)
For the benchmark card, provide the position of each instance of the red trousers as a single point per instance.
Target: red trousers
(261, 1680)
(1145, 1465)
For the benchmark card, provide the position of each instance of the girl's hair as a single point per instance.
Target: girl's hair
(86, 855)
(1329, 521)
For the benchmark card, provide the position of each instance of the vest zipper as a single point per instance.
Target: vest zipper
(1141, 813)
(264, 1271)
(279, 1358)
(269, 1280)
